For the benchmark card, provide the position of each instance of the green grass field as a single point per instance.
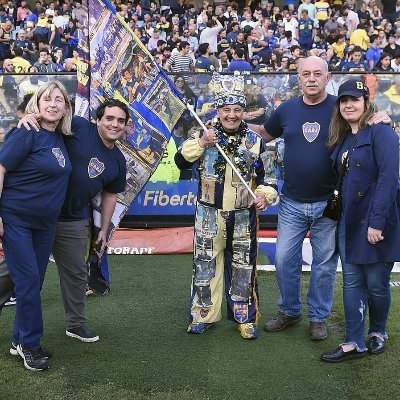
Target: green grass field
(144, 352)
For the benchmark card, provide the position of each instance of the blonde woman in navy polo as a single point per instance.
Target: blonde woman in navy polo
(34, 172)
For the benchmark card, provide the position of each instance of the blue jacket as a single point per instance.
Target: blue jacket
(373, 196)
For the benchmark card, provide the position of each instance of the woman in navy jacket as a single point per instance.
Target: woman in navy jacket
(369, 227)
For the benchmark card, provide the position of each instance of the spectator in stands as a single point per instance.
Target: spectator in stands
(323, 13)
(392, 48)
(360, 37)
(153, 41)
(259, 46)
(24, 43)
(239, 63)
(210, 33)
(287, 42)
(395, 63)
(185, 90)
(8, 89)
(192, 40)
(383, 64)
(6, 29)
(241, 44)
(356, 63)
(204, 65)
(305, 31)
(20, 64)
(332, 24)
(309, 7)
(373, 54)
(223, 62)
(44, 64)
(181, 61)
(352, 19)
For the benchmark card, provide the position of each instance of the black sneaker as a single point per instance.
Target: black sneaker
(32, 359)
(43, 352)
(82, 333)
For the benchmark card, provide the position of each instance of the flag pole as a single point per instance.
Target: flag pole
(227, 159)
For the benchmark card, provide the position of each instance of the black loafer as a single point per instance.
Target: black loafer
(338, 355)
(376, 345)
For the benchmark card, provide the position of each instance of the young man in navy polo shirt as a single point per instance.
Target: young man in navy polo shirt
(97, 166)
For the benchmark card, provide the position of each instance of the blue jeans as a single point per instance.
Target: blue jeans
(364, 286)
(294, 221)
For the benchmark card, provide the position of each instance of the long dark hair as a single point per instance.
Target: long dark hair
(339, 128)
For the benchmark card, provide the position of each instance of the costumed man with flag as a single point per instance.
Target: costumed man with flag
(226, 223)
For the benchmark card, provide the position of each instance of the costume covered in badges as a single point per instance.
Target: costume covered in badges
(225, 240)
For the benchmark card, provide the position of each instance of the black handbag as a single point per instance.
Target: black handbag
(333, 209)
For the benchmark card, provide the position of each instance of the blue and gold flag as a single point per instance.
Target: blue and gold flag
(115, 64)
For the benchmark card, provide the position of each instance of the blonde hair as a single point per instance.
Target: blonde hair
(339, 128)
(64, 125)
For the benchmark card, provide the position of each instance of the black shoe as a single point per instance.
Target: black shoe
(83, 334)
(376, 345)
(338, 355)
(42, 351)
(32, 359)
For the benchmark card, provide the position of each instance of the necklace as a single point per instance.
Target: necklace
(230, 145)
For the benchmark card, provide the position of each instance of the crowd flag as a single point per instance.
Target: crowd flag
(115, 64)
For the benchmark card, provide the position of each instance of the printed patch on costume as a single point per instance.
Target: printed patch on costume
(95, 167)
(59, 156)
(206, 221)
(241, 282)
(204, 312)
(208, 190)
(311, 130)
(241, 312)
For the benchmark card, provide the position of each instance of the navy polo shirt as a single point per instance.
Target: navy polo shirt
(38, 168)
(95, 168)
(309, 176)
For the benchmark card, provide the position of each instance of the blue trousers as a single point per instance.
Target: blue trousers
(294, 221)
(365, 286)
(27, 253)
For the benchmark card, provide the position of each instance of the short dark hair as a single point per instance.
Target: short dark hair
(203, 48)
(183, 44)
(239, 52)
(18, 52)
(357, 49)
(112, 103)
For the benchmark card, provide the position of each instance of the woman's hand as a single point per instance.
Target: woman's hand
(208, 139)
(374, 235)
(30, 121)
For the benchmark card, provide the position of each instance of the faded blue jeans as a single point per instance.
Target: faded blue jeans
(294, 221)
(364, 286)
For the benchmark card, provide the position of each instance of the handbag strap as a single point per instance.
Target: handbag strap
(342, 170)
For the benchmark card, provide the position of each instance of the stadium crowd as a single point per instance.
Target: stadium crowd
(184, 37)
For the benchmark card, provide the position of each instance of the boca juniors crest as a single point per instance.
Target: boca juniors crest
(59, 156)
(95, 167)
(311, 130)
(241, 312)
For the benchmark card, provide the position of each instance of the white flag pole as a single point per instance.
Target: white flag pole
(234, 169)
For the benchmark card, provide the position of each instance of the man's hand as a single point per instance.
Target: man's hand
(208, 139)
(380, 117)
(1, 228)
(374, 235)
(101, 241)
(30, 121)
(259, 202)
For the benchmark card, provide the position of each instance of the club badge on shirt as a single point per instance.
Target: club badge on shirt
(59, 156)
(311, 130)
(95, 167)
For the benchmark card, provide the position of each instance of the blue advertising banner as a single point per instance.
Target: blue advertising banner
(162, 198)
